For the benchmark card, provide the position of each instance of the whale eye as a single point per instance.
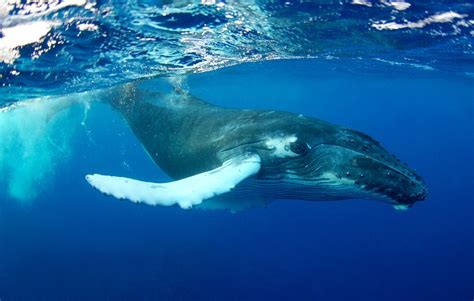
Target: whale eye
(300, 148)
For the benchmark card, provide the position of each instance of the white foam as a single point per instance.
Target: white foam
(398, 5)
(87, 27)
(35, 137)
(208, 2)
(185, 193)
(362, 2)
(31, 11)
(25, 28)
(5, 9)
(21, 35)
(439, 18)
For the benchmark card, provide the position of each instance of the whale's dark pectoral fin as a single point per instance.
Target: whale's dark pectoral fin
(187, 192)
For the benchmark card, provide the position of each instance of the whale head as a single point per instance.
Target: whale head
(331, 162)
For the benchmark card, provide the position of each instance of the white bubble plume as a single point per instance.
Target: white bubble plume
(35, 137)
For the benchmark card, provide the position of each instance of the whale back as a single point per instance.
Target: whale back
(165, 124)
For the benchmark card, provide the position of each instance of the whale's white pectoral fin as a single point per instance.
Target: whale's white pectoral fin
(186, 192)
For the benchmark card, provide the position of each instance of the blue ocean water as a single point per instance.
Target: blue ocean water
(410, 88)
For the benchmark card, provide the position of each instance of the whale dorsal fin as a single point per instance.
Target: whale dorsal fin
(185, 193)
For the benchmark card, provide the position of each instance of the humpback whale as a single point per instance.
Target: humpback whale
(239, 158)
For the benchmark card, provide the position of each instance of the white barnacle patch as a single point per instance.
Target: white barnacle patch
(281, 146)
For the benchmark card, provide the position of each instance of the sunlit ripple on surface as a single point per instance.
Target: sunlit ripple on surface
(53, 46)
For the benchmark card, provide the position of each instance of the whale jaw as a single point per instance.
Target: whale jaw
(335, 172)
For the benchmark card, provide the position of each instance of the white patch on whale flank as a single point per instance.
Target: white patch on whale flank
(281, 146)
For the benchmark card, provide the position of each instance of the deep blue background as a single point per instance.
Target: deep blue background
(73, 243)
